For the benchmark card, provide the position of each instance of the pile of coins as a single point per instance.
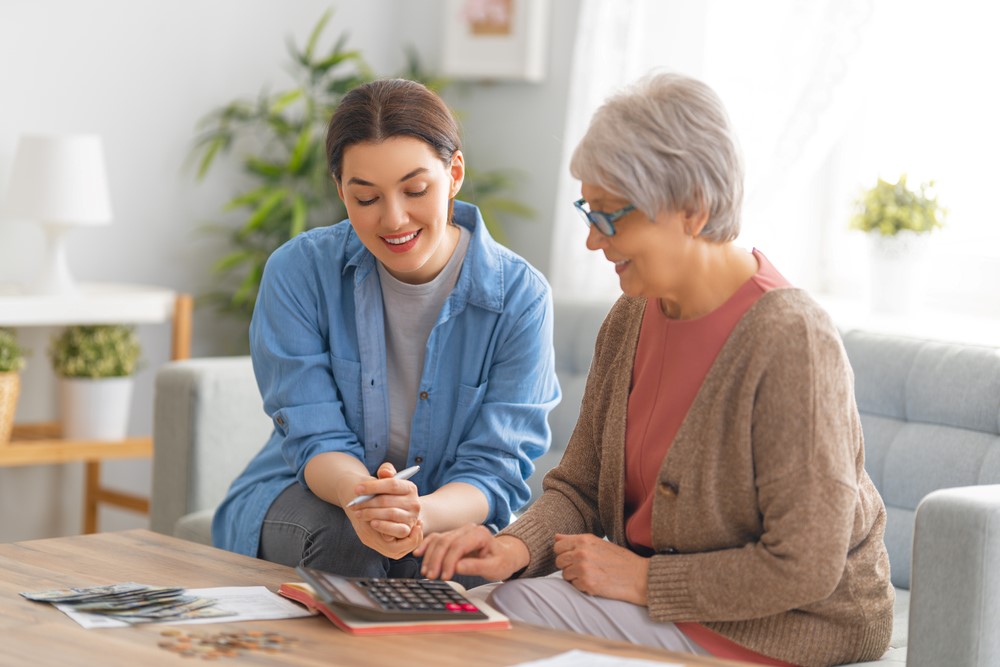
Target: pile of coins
(223, 644)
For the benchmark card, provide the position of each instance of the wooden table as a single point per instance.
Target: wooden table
(37, 634)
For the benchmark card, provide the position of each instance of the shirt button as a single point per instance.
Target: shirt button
(280, 420)
(418, 459)
(668, 489)
(424, 395)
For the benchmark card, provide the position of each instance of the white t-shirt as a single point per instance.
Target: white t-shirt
(410, 314)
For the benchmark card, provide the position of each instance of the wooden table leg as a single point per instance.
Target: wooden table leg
(91, 488)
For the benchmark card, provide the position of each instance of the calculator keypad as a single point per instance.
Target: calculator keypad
(416, 595)
(384, 599)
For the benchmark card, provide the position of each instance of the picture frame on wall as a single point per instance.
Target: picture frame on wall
(495, 40)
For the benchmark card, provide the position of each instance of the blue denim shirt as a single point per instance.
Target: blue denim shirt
(317, 339)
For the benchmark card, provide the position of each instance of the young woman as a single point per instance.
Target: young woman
(718, 448)
(403, 336)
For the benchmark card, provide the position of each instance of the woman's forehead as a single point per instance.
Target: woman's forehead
(389, 161)
(597, 195)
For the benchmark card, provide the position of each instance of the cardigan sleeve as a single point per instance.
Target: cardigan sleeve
(574, 491)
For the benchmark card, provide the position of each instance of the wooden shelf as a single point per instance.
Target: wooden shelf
(95, 303)
(42, 444)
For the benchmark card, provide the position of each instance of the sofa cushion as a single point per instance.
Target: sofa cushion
(930, 413)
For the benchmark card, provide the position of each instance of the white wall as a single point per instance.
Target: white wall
(141, 74)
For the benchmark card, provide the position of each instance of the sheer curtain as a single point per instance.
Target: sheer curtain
(825, 97)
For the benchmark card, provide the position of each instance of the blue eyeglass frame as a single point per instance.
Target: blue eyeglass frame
(605, 222)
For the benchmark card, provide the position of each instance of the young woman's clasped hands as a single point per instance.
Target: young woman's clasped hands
(390, 522)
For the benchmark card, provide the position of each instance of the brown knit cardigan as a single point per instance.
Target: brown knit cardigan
(766, 527)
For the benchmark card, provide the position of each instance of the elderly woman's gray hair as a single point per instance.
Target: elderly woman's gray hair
(665, 144)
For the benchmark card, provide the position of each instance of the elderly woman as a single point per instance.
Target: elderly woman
(713, 497)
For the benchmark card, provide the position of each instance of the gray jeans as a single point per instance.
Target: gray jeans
(302, 529)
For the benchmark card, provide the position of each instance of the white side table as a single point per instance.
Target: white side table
(96, 303)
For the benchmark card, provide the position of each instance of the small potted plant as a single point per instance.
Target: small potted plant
(898, 219)
(11, 362)
(96, 365)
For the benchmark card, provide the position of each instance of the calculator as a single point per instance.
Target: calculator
(384, 599)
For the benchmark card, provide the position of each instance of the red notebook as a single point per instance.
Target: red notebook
(343, 619)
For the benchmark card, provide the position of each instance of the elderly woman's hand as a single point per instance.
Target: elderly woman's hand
(598, 567)
(472, 550)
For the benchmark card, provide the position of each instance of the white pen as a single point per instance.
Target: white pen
(406, 473)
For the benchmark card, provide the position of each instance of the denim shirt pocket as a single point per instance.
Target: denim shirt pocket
(467, 405)
(347, 377)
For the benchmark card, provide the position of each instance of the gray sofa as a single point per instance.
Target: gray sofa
(931, 418)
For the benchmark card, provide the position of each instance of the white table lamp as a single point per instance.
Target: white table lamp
(60, 183)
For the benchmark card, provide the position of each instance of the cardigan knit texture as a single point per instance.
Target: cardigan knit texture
(766, 527)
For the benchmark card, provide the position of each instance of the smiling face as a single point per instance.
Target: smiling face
(397, 196)
(650, 256)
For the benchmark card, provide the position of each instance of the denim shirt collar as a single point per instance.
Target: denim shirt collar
(481, 281)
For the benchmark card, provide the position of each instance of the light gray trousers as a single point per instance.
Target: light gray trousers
(553, 602)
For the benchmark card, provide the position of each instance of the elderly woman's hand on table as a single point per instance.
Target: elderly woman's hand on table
(471, 550)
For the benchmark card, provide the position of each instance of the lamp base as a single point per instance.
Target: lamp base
(54, 279)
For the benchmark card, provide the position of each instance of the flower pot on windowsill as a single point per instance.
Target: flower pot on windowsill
(898, 220)
(897, 269)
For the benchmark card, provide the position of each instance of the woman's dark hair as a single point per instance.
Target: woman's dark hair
(376, 111)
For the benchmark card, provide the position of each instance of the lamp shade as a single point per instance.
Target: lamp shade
(59, 180)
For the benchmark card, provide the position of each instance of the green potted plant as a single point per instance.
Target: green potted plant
(11, 362)
(280, 138)
(891, 208)
(897, 219)
(95, 365)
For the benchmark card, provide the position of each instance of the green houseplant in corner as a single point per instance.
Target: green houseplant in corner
(95, 365)
(280, 138)
(11, 362)
(898, 220)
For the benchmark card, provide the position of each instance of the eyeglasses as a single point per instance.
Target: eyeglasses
(605, 222)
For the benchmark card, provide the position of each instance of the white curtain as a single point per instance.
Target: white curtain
(825, 96)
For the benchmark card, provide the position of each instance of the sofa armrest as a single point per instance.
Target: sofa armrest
(955, 585)
(208, 422)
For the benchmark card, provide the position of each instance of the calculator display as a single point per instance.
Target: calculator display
(383, 599)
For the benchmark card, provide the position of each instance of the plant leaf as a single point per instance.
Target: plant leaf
(314, 35)
(247, 198)
(301, 151)
(231, 261)
(262, 168)
(264, 210)
(282, 101)
(209, 156)
(300, 212)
